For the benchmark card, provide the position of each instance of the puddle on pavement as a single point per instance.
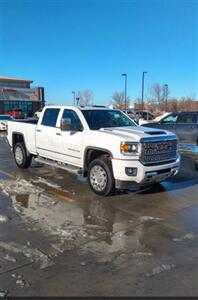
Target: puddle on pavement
(186, 177)
(92, 226)
(189, 219)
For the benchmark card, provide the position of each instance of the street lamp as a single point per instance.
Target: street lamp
(166, 95)
(143, 89)
(125, 93)
(74, 94)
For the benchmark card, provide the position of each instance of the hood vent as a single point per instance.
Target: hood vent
(155, 132)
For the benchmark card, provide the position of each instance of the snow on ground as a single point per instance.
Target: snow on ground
(46, 182)
(188, 236)
(149, 218)
(18, 187)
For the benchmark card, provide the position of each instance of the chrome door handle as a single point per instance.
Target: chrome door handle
(38, 130)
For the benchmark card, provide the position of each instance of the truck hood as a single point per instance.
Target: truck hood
(136, 132)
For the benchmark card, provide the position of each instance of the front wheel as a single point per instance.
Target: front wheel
(100, 176)
(22, 159)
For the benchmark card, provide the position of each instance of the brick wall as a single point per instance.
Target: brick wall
(36, 106)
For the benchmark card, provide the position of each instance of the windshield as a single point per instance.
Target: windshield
(97, 119)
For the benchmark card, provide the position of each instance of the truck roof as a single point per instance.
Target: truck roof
(79, 107)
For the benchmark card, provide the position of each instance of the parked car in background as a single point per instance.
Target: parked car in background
(3, 121)
(144, 114)
(16, 113)
(183, 124)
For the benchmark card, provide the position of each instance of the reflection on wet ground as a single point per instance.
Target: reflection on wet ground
(130, 241)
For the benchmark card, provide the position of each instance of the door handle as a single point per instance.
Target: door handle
(58, 133)
(38, 130)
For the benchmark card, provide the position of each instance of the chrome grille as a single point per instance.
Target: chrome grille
(158, 151)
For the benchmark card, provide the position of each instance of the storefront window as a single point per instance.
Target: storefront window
(25, 106)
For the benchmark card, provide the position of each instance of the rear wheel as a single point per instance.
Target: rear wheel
(22, 159)
(100, 176)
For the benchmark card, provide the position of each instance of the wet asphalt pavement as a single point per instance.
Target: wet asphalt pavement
(57, 238)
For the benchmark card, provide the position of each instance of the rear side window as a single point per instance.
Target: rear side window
(187, 118)
(50, 117)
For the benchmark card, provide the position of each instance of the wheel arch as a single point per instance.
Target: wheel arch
(18, 137)
(92, 153)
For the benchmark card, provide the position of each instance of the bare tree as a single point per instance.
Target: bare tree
(85, 98)
(119, 100)
(157, 93)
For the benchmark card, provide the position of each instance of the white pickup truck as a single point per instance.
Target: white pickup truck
(102, 144)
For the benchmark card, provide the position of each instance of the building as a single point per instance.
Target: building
(18, 94)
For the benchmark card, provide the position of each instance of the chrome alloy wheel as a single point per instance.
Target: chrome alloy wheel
(18, 155)
(98, 178)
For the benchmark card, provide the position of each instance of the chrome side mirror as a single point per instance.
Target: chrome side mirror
(65, 124)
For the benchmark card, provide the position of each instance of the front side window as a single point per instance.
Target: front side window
(170, 119)
(75, 121)
(50, 117)
(97, 119)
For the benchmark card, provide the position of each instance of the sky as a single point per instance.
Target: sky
(72, 45)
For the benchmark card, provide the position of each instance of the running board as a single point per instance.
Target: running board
(66, 167)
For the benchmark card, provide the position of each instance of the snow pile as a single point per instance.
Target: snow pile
(148, 218)
(33, 254)
(18, 187)
(46, 182)
(142, 254)
(160, 269)
(3, 219)
(188, 236)
(72, 233)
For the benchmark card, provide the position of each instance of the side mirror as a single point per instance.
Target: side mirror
(65, 124)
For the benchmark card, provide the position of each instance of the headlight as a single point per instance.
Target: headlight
(129, 148)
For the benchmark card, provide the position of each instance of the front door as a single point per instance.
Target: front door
(69, 144)
(168, 123)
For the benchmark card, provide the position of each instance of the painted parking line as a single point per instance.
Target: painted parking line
(7, 174)
(60, 196)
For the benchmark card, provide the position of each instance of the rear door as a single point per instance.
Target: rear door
(46, 133)
(187, 128)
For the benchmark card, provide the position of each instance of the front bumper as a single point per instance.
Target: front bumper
(145, 174)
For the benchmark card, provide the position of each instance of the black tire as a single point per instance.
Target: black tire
(105, 166)
(25, 160)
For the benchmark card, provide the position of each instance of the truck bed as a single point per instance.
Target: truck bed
(25, 127)
(29, 121)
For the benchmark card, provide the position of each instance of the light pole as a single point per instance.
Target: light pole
(143, 89)
(166, 95)
(74, 94)
(125, 92)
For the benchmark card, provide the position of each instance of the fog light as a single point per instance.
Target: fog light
(131, 171)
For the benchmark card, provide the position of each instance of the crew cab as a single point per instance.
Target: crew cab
(102, 144)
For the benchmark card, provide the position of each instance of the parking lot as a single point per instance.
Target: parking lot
(57, 238)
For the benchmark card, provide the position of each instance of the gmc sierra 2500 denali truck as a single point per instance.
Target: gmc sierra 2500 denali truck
(102, 144)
